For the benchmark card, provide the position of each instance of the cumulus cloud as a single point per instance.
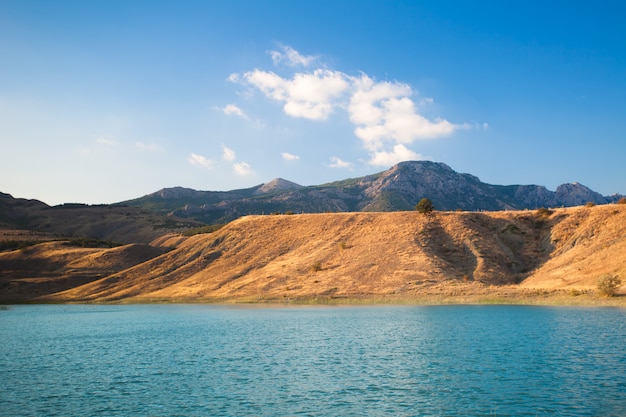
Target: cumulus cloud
(384, 112)
(242, 168)
(400, 153)
(200, 161)
(234, 110)
(336, 162)
(228, 154)
(289, 157)
(386, 115)
(309, 95)
(291, 57)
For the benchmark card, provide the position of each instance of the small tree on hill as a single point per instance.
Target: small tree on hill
(621, 200)
(425, 206)
(608, 284)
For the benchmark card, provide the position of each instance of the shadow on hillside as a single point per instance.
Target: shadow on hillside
(496, 251)
(34, 274)
(25, 290)
(435, 241)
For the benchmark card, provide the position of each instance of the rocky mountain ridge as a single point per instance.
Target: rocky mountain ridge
(179, 208)
(398, 188)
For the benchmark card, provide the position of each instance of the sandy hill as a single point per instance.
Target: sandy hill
(371, 256)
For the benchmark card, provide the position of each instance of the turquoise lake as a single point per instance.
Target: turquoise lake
(206, 360)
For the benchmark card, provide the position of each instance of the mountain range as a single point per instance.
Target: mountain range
(487, 250)
(397, 189)
(177, 209)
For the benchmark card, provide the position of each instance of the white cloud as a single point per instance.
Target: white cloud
(338, 163)
(106, 141)
(234, 110)
(401, 124)
(400, 153)
(307, 95)
(289, 157)
(242, 168)
(426, 101)
(367, 95)
(384, 113)
(291, 57)
(199, 160)
(149, 147)
(228, 154)
(234, 78)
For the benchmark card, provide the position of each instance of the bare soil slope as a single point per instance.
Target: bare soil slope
(400, 255)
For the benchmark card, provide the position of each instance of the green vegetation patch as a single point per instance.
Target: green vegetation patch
(608, 285)
(204, 229)
(89, 242)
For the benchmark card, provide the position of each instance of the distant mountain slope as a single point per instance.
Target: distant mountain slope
(398, 188)
(113, 223)
(277, 185)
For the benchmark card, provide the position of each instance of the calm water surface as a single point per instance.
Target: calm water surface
(198, 360)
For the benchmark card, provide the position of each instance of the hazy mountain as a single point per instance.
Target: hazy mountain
(104, 222)
(177, 208)
(398, 188)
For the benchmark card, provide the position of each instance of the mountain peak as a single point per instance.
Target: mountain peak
(398, 188)
(422, 165)
(175, 192)
(576, 194)
(277, 184)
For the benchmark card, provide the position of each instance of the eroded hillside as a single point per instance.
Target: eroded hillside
(360, 255)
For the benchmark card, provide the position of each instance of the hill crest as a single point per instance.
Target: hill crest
(399, 255)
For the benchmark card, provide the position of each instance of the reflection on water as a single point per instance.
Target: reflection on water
(196, 360)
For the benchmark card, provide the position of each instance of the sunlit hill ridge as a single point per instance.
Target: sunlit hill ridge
(118, 253)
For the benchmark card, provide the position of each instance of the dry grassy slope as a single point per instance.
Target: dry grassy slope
(588, 242)
(365, 254)
(50, 267)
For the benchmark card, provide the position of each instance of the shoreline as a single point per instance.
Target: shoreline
(547, 298)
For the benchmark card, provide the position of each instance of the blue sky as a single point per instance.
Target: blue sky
(103, 101)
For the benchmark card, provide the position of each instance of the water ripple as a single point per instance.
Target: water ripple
(193, 360)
